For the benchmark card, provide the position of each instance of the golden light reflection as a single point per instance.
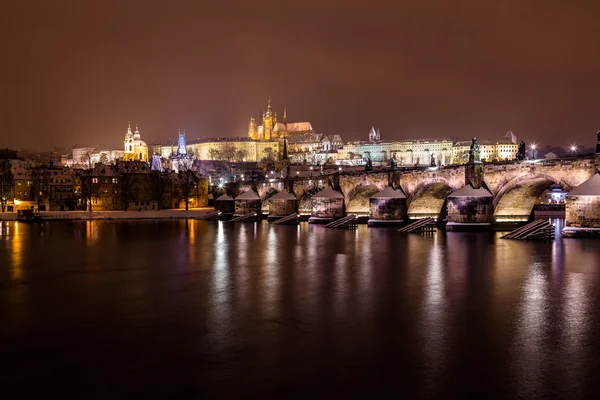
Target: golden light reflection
(17, 245)
(192, 225)
(367, 263)
(91, 230)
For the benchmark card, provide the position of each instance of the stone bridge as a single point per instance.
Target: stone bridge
(515, 186)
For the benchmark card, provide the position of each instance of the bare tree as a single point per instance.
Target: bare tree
(214, 154)
(86, 194)
(6, 182)
(187, 181)
(40, 183)
(129, 190)
(240, 155)
(159, 185)
(228, 152)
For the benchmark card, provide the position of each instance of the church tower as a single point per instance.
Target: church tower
(269, 121)
(252, 132)
(372, 135)
(181, 145)
(128, 144)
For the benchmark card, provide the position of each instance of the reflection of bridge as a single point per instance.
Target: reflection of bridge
(515, 186)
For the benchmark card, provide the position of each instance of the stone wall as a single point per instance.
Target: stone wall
(225, 206)
(282, 208)
(243, 206)
(470, 209)
(327, 208)
(388, 209)
(583, 211)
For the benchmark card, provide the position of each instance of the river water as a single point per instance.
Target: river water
(194, 309)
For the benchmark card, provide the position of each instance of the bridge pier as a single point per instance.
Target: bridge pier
(583, 210)
(470, 209)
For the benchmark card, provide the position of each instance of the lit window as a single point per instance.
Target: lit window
(94, 180)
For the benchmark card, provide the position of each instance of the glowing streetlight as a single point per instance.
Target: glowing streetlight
(573, 148)
(533, 147)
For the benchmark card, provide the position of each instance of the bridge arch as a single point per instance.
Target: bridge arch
(265, 196)
(429, 199)
(358, 199)
(516, 198)
(304, 200)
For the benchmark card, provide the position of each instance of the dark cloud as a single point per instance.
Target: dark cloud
(78, 71)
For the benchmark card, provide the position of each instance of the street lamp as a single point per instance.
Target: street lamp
(533, 147)
(574, 148)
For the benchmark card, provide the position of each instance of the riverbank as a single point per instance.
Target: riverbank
(114, 215)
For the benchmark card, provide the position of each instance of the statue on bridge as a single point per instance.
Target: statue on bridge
(521, 151)
(432, 162)
(369, 165)
(393, 161)
(474, 151)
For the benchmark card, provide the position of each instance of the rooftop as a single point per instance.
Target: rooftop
(591, 187)
(389, 193)
(328, 193)
(470, 191)
(249, 195)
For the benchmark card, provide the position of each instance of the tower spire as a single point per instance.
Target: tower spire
(128, 126)
(284, 115)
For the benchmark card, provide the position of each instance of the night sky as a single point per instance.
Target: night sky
(76, 71)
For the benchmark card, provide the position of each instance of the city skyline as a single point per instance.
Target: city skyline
(421, 70)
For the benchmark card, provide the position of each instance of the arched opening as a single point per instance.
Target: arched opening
(429, 201)
(358, 200)
(516, 200)
(304, 203)
(266, 204)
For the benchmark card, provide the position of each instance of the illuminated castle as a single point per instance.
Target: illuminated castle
(271, 129)
(135, 147)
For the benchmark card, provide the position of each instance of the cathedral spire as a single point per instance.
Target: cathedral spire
(269, 108)
(284, 115)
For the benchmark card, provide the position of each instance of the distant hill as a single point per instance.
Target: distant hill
(561, 152)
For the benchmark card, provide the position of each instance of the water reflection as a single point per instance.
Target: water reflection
(294, 307)
(530, 349)
(270, 274)
(434, 314)
(219, 319)
(91, 231)
(16, 242)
